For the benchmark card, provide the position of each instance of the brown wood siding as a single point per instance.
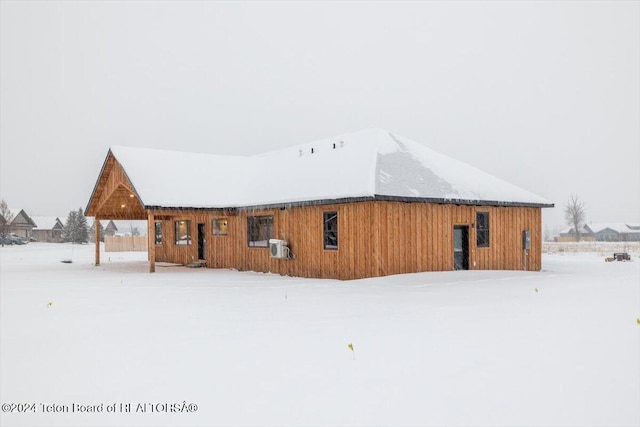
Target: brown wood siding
(375, 238)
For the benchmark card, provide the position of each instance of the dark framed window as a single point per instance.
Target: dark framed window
(158, 233)
(259, 231)
(183, 232)
(219, 227)
(482, 229)
(330, 230)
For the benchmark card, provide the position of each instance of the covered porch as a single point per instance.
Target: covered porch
(115, 198)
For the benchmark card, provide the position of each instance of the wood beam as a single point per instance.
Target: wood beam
(151, 242)
(97, 239)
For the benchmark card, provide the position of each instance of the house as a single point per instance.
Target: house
(92, 232)
(615, 232)
(21, 224)
(365, 204)
(110, 229)
(48, 229)
(569, 235)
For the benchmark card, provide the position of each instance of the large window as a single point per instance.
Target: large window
(219, 226)
(183, 233)
(482, 229)
(158, 227)
(330, 230)
(259, 231)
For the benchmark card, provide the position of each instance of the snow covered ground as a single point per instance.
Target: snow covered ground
(558, 347)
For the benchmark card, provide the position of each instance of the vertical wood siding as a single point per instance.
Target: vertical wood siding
(375, 239)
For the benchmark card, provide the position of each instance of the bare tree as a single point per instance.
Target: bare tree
(5, 221)
(575, 215)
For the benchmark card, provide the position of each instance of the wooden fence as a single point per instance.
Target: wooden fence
(125, 243)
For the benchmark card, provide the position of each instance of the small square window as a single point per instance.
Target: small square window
(219, 226)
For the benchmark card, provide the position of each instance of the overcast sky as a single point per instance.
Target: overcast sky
(544, 95)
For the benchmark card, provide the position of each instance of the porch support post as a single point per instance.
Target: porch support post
(151, 242)
(97, 240)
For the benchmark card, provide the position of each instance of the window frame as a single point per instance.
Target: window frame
(189, 235)
(216, 229)
(483, 230)
(158, 236)
(327, 233)
(257, 227)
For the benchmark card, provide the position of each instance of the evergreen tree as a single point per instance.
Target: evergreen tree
(76, 230)
(83, 228)
(5, 222)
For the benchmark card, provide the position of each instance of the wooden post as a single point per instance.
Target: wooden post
(97, 239)
(151, 242)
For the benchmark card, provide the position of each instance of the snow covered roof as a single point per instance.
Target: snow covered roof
(618, 227)
(362, 165)
(19, 216)
(46, 222)
(583, 230)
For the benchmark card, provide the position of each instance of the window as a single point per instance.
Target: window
(330, 230)
(158, 226)
(183, 233)
(482, 229)
(219, 227)
(259, 231)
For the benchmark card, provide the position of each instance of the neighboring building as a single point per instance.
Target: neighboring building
(110, 229)
(21, 224)
(615, 232)
(92, 232)
(48, 229)
(569, 235)
(358, 205)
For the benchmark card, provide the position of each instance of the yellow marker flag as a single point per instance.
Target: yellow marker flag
(50, 303)
(351, 347)
(536, 289)
(638, 320)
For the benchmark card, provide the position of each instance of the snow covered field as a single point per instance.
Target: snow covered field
(559, 347)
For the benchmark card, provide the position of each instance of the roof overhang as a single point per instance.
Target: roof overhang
(381, 198)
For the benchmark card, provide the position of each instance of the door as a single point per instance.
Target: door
(202, 247)
(461, 247)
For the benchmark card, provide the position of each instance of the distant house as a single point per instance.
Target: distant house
(21, 224)
(92, 232)
(48, 229)
(615, 232)
(569, 235)
(110, 229)
(365, 204)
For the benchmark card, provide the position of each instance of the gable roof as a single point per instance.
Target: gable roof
(365, 165)
(618, 227)
(583, 230)
(21, 217)
(47, 222)
(111, 226)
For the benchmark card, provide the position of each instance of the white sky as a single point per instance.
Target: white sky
(543, 95)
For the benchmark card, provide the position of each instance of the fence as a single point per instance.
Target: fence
(125, 243)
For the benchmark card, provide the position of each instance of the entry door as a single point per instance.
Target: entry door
(202, 247)
(461, 247)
